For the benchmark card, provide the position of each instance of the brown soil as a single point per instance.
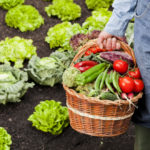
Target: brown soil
(13, 116)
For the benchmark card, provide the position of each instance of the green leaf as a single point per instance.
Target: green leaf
(66, 10)
(98, 20)
(16, 50)
(60, 34)
(24, 17)
(8, 4)
(50, 116)
(5, 139)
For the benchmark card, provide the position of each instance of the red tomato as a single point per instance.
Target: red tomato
(120, 66)
(126, 84)
(88, 52)
(95, 49)
(135, 73)
(139, 85)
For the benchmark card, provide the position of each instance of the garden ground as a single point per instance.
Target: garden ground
(14, 116)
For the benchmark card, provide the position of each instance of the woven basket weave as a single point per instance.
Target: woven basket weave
(96, 117)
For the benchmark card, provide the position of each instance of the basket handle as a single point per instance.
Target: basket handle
(91, 43)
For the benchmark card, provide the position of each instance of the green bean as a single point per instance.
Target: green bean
(115, 78)
(107, 82)
(103, 78)
(110, 77)
(98, 80)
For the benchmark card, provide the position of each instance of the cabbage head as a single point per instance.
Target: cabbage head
(45, 71)
(24, 17)
(49, 70)
(5, 139)
(13, 84)
(8, 4)
(50, 116)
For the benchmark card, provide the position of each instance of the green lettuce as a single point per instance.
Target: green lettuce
(24, 17)
(96, 4)
(50, 116)
(5, 139)
(98, 20)
(64, 9)
(60, 34)
(49, 70)
(16, 50)
(8, 4)
(13, 84)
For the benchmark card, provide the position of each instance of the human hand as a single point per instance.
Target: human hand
(108, 41)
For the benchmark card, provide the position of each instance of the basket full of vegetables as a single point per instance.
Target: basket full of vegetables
(102, 89)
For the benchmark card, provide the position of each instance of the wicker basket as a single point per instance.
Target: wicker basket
(96, 117)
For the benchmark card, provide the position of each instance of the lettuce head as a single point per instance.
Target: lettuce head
(50, 116)
(64, 9)
(96, 4)
(8, 4)
(24, 17)
(16, 50)
(60, 34)
(5, 139)
(98, 20)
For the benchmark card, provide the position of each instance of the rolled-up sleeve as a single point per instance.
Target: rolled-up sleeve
(123, 12)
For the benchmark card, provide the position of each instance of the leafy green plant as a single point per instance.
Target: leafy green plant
(16, 50)
(50, 116)
(13, 84)
(60, 34)
(8, 4)
(49, 70)
(64, 9)
(98, 20)
(92, 4)
(5, 139)
(24, 17)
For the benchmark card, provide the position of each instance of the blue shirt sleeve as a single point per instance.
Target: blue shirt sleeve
(123, 12)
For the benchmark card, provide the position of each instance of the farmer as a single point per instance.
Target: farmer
(124, 11)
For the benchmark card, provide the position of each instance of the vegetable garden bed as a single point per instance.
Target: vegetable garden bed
(13, 116)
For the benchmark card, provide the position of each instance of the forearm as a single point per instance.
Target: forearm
(123, 12)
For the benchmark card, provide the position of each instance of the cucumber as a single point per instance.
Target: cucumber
(108, 96)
